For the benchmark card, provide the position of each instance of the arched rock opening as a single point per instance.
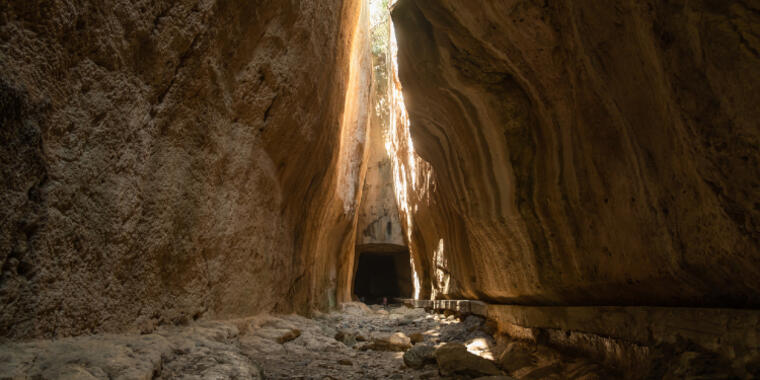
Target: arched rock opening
(382, 271)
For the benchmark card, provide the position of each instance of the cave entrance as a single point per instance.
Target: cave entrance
(383, 274)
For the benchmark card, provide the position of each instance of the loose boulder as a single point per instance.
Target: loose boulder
(454, 359)
(389, 342)
(419, 355)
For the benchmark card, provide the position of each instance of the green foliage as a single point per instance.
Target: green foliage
(379, 40)
(378, 11)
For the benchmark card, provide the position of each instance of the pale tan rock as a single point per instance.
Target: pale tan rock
(355, 308)
(206, 351)
(416, 337)
(397, 341)
(453, 359)
(222, 350)
(378, 222)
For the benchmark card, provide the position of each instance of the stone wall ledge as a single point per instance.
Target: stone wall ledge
(624, 337)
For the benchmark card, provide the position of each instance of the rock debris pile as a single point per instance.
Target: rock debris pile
(357, 342)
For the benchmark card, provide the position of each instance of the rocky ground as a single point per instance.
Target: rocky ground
(357, 342)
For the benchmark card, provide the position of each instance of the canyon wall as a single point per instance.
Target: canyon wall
(378, 221)
(170, 160)
(582, 152)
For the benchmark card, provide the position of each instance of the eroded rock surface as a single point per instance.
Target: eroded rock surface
(583, 152)
(454, 359)
(419, 355)
(204, 351)
(252, 348)
(169, 160)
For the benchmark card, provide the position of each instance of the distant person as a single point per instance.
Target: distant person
(385, 301)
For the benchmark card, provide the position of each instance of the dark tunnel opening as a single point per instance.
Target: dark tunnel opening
(383, 274)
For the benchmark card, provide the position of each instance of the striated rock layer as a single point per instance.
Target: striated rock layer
(584, 152)
(167, 160)
(378, 220)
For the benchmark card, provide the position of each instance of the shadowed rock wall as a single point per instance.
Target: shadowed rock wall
(378, 221)
(167, 160)
(585, 152)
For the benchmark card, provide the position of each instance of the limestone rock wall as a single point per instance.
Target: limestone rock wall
(584, 152)
(378, 214)
(170, 160)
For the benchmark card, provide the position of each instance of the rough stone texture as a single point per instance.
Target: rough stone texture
(638, 339)
(629, 342)
(251, 348)
(207, 351)
(388, 342)
(379, 228)
(584, 152)
(515, 357)
(378, 221)
(453, 359)
(419, 355)
(166, 160)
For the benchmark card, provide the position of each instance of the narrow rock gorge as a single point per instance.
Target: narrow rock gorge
(355, 189)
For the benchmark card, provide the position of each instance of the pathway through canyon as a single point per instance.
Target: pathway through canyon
(204, 189)
(358, 342)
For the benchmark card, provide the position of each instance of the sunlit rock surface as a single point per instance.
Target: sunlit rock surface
(246, 348)
(583, 152)
(378, 221)
(169, 160)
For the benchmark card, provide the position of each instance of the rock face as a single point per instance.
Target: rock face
(168, 160)
(583, 152)
(378, 221)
